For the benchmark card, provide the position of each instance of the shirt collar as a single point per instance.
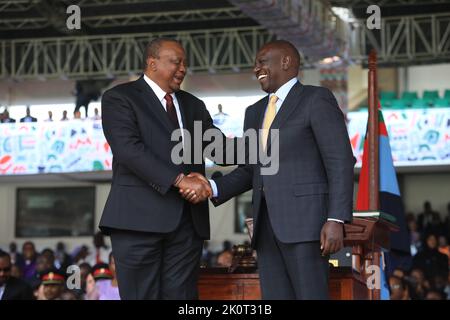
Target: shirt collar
(160, 93)
(283, 91)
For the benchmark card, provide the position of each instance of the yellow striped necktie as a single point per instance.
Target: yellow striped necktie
(268, 119)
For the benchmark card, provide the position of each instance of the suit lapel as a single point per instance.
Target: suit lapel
(153, 104)
(184, 110)
(262, 111)
(289, 105)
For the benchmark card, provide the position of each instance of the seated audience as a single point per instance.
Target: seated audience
(29, 255)
(398, 289)
(429, 221)
(430, 260)
(53, 284)
(106, 287)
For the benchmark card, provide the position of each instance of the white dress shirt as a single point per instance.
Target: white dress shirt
(160, 94)
(2, 290)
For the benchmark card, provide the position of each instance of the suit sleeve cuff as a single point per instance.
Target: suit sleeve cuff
(336, 220)
(215, 192)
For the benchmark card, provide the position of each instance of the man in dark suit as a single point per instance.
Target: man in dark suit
(300, 210)
(12, 288)
(156, 235)
(28, 117)
(6, 118)
(429, 221)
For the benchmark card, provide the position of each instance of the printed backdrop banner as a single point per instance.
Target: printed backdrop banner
(417, 136)
(47, 147)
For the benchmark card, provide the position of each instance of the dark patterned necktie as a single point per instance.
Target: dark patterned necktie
(170, 107)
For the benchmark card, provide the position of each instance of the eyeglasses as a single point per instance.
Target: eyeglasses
(8, 269)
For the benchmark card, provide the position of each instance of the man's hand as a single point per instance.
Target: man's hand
(195, 188)
(331, 237)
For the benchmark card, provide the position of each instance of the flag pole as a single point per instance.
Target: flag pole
(374, 204)
(373, 145)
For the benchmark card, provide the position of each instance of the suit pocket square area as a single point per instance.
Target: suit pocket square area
(310, 189)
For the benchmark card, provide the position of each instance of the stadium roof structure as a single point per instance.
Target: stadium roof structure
(219, 35)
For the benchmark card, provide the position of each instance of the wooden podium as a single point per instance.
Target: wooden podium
(367, 237)
(218, 284)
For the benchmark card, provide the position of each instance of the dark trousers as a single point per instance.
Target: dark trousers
(158, 265)
(289, 271)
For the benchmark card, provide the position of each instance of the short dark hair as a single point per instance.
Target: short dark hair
(86, 265)
(4, 254)
(288, 49)
(29, 243)
(153, 47)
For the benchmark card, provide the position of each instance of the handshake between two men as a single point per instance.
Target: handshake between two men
(194, 187)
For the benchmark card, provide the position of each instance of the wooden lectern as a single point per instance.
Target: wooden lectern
(368, 237)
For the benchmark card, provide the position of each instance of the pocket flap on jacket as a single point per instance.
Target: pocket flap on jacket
(310, 188)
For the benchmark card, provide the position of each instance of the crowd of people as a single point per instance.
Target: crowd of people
(50, 274)
(46, 275)
(5, 116)
(427, 275)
